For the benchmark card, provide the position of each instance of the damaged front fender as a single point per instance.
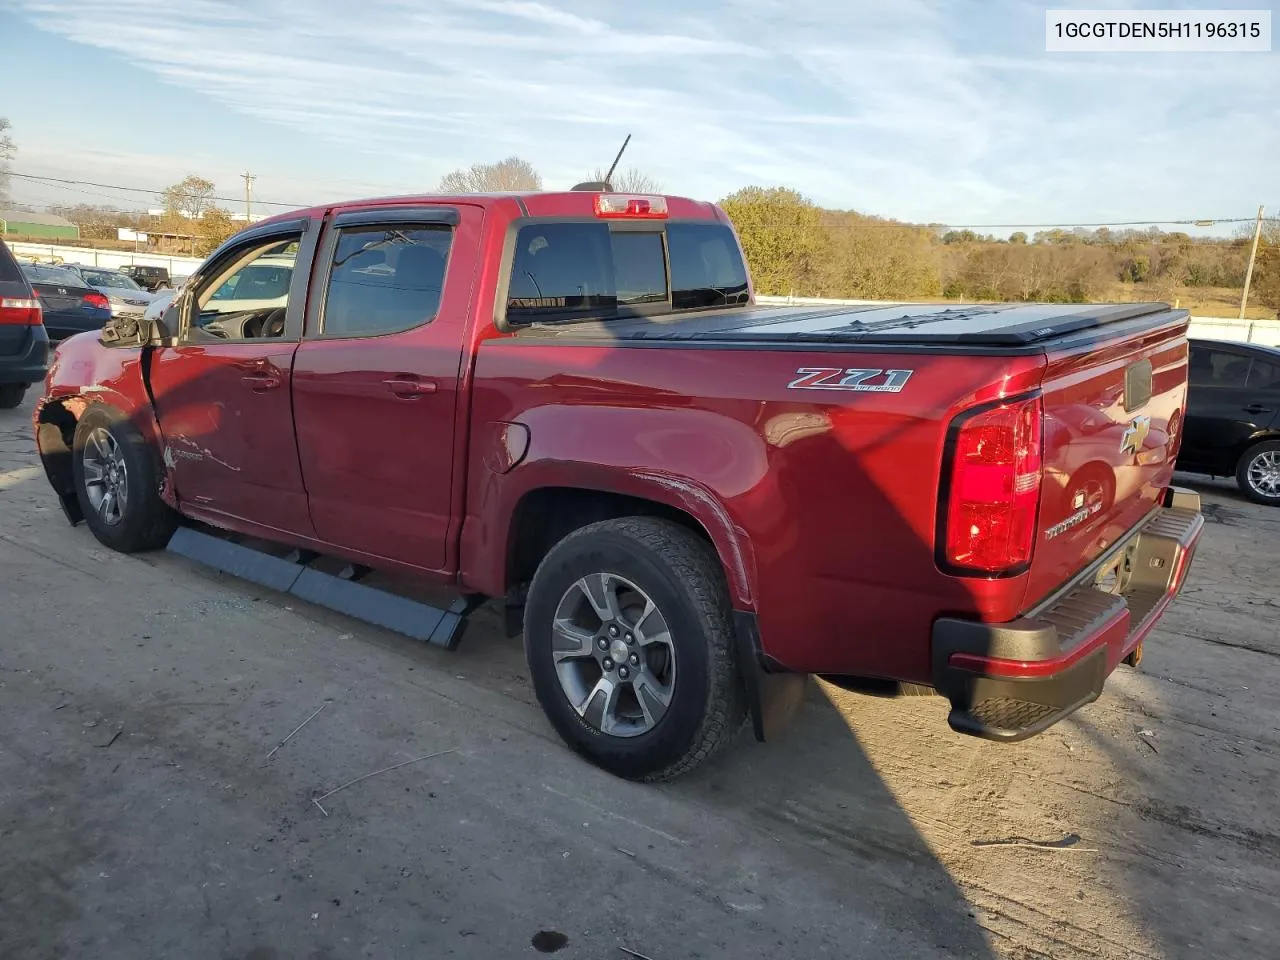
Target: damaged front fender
(86, 375)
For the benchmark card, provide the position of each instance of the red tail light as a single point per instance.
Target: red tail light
(994, 489)
(97, 300)
(25, 311)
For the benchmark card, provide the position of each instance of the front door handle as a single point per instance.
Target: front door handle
(1256, 408)
(410, 386)
(262, 381)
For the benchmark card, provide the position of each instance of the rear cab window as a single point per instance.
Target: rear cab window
(594, 270)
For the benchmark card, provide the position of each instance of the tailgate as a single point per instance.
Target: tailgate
(1113, 405)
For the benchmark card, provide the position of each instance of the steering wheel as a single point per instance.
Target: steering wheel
(273, 323)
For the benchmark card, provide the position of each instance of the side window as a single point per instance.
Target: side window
(1217, 368)
(385, 279)
(247, 295)
(1264, 375)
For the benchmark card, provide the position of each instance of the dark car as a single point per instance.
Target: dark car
(148, 277)
(1233, 416)
(24, 344)
(69, 304)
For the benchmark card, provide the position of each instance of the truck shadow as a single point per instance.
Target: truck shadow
(816, 791)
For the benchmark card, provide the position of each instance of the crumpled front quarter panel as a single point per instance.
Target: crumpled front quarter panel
(83, 372)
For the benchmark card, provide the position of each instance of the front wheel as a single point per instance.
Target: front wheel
(1258, 473)
(117, 480)
(629, 637)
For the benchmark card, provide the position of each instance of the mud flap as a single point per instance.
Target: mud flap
(773, 697)
(419, 621)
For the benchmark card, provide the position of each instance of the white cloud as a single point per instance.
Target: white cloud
(941, 111)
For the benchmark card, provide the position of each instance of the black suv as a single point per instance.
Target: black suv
(24, 343)
(1233, 416)
(149, 278)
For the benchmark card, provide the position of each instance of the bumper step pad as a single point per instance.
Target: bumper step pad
(1003, 718)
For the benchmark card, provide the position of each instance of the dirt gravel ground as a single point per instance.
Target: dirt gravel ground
(141, 815)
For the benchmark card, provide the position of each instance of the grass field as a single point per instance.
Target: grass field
(1201, 301)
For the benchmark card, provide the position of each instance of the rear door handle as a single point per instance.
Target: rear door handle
(262, 381)
(410, 386)
(1256, 408)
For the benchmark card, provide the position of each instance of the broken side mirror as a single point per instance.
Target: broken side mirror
(146, 331)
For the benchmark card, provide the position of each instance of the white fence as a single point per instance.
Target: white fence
(93, 257)
(1266, 332)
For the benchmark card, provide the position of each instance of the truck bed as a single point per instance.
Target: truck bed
(1010, 326)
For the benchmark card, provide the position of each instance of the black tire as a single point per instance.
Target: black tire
(681, 572)
(11, 395)
(146, 521)
(1268, 448)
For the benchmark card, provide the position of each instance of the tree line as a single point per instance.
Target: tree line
(796, 247)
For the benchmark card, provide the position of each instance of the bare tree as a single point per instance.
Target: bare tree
(630, 180)
(190, 198)
(7, 150)
(509, 175)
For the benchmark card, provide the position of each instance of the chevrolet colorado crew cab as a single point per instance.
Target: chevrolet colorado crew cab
(572, 402)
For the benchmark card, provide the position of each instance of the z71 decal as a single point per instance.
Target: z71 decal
(859, 381)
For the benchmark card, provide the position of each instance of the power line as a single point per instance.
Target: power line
(1189, 222)
(151, 192)
(1183, 222)
(88, 193)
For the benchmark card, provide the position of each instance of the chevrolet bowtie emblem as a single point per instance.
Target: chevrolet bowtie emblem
(1134, 437)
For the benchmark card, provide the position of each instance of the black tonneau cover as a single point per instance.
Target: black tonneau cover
(994, 325)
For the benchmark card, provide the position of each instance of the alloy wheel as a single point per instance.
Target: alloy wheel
(614, 655)
(106, 477)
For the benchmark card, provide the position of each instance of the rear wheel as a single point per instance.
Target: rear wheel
(629, 638)
(117, 480)
(11, 395)
(1258, 473)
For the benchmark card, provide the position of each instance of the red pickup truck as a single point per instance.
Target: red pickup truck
(571, 401)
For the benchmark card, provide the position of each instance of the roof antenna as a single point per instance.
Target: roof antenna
(605, 185)
(608, 177)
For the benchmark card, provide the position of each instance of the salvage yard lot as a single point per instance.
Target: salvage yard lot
(140, 814)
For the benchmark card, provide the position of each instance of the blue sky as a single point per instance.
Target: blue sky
(947, 111)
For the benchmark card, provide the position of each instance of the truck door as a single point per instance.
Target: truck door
(376, 378)
(222, 389)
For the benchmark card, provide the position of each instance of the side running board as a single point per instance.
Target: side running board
(340, 592)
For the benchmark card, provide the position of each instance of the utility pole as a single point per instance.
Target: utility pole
(248, 181)
(1248, 274)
